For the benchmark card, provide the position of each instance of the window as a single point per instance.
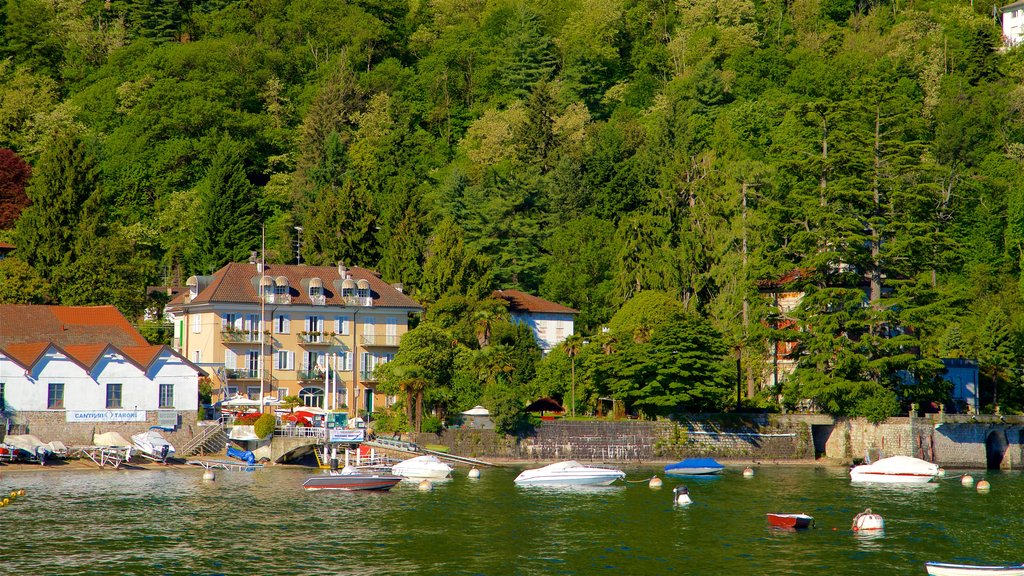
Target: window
(284, 360)
(197, 356)
(341, 325)
(230, 359)
(55, 397)
(281, 393)
(113, 396)
(167, 395)
(232, 391)
(229, 321)
(280, 291)
(197, 323)
(252, 324)
(253, 392)
(281, 324)
(312, 396)
(344, 361)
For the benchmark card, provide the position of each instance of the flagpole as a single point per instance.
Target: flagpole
(263, 308)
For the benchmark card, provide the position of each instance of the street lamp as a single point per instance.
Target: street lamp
(298, 244)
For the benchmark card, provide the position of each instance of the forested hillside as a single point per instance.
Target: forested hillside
(582, 150)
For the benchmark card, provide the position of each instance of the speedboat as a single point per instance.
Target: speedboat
(895, 470)
(790, 521)
(943, 569)
(350, 479)
(569, 473)
(422, 467)
(694, 467)
(150, 444)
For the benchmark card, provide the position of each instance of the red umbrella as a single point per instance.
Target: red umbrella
(298, 418)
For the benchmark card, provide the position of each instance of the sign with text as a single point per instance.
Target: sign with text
(346, 435)
(106, 415)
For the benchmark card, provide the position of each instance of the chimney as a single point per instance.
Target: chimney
(398, 286)
(252, 257)
(342, 270)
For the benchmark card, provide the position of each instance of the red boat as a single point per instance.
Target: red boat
(790, 521)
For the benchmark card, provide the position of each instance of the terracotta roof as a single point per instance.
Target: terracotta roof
(523, 302)
(26, 354)
(66, 326)
(6, 246)
(239, 282)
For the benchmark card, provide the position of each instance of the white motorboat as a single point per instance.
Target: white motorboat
(944, 569)
(569, 473)
(152, 445)
(422, 467)
(895, 470)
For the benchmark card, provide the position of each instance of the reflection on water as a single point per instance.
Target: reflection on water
(169, 521)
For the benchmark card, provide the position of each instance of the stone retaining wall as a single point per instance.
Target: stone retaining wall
(49, 426)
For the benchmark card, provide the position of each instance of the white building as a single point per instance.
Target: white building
(1012, 18)
(64, 370)
(551, 323)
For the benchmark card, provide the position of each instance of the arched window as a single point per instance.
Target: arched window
(281, 289)
(312, 396)
(348, 288)
(267, 288)
(363, 286)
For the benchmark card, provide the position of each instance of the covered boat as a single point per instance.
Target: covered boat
(694, 467)
(422, 467)
(350, 479)
(28, 448)
(943, 569)
(150, 444)
(790, 521)
(569, 473)
(895, 470)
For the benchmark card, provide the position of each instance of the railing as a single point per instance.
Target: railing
(301, 431)
(317, 338)
(358, 300)
(243, 337)
(380, 339)
(311, 374)
(367, 376)
(318, 300)
(249, 374)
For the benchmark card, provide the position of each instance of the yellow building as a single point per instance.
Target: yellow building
(279, 330)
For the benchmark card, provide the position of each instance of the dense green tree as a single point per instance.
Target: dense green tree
(230, 221)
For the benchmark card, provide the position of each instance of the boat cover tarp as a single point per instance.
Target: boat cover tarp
(244, 455)
(902, 465)
(152, 443)
(695, 463)
(28, 443)
(111, 439)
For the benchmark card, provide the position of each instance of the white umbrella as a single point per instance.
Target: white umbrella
(272, 401)
(477, 411)
(239, 402)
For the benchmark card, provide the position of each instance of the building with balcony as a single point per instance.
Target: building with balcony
(316, 332)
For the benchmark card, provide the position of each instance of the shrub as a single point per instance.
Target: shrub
(247, 419)
(432, 424)
(264, 425)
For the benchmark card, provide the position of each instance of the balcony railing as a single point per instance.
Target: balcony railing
(245, 374)
(317, 338)
(358, 300)
(367, 376)
(240, 337)
(380, 340)
(311, 374)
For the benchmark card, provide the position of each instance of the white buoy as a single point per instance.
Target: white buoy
(748, 472)
(941, 473)
(967, 480)
(209, 476)
(984, 486)
(681, 496)
(655, 482)
(474, 473)
(868, 520)
(426, 486)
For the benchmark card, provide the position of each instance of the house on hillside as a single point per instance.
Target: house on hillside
(1011, 17)
(277, 330)
(551, 323)
(5, 249)
(67, 370)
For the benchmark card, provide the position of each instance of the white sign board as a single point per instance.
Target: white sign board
(346, 435)
(106, 415)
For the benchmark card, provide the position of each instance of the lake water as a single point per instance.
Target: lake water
(169, 521)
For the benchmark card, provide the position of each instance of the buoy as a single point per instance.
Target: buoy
(425, 485)
(967, 480)
(209, 476)
(21, 492)
(6, 501)
(655, 482)
(748, 472)
(681, 496)
(984, 486)
(474, 473)
(868, 520)
(14, 493)
(941, 473)
(2, 504)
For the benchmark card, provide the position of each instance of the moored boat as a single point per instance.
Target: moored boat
(150, 444)
(791, 521)
(422, 467)
(694, 467)
(349, 479)
(945, 569)
(895, 470)
(569, 473)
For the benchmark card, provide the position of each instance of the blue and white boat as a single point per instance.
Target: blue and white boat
(694, 467)
(569, 473)
(944, 569)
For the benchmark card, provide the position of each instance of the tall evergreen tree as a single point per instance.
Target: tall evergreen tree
(230, 220)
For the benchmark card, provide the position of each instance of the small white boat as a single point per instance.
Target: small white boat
(422, 467)
(895, 470)
(943, 569)
(350, 479)
(150, 444)
(569, 473)
(694, 467)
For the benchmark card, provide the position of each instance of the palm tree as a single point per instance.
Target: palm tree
(572, 346)
(485, 314)
(412, 383)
